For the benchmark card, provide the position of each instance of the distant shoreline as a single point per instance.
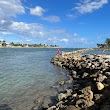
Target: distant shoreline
(29, 47)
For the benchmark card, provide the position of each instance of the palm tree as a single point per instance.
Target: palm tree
(107, 42)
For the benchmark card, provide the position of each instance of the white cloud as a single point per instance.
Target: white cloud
(5, 33)
(37, 11)
(99, 37)
(28, 40)
(10, 8)
(64, 40)
(89, 6)
(57, 40)
(70, 16)
(80, 40)
(52, 18)
(32, 29)
(75, 34)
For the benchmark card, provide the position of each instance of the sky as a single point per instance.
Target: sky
(67, 23)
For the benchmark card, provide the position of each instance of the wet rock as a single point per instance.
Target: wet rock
(69, 81)
(61, 83)
(68, 92)
(47, 102)
(62, 96)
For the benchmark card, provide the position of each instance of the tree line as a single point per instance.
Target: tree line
(105, 45)
(12, 44)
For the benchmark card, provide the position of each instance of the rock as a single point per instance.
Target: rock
(74, 95)
(46, 103)
(101, 78)
(74, 73)
(100, 86)
(84, 104)
(61, 83)
(98, 98)
(108, 80)
(93, 81)
(69, 91)
(52, 108)
(35, 108)
(87, 93)
(89, 103)
(69, 81)
(85, 75)
(59, 103)
(80, 103)
(107, 73)
(62, 96)
(71, 107)
(89, 64)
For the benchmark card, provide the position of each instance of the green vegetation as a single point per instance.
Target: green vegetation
(106, 45)
(3, 43)
(12, 44)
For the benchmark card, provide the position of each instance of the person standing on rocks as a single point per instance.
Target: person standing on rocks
(62, 52)
(58, 52)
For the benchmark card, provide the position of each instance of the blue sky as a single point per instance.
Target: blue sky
(67, 23)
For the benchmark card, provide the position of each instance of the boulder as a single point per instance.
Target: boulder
(61, 96)
(101, 78)
(100, 86)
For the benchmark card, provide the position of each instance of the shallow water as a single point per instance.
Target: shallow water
(26, 74)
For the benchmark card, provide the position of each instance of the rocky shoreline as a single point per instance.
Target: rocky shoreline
(90, 80)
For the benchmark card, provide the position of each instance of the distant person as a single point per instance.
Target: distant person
(58, 52)
(62, 52)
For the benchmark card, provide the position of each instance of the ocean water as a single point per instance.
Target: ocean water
(102, 52)
(26, 74)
